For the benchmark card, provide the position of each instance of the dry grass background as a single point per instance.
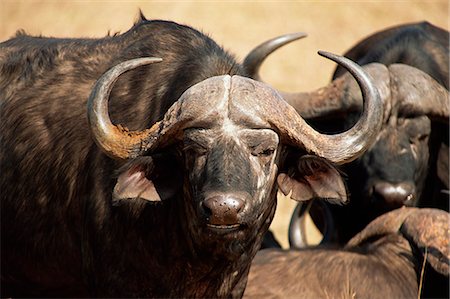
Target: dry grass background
(238, 26)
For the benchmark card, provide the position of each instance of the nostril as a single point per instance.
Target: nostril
(206, 208)
(222, 209)
(395, 195)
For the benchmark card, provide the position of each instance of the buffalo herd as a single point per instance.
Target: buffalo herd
(148, 164)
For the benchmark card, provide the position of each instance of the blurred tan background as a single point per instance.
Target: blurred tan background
(238, 26)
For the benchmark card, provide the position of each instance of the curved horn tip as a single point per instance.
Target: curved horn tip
(294, 36)
(277, 42)
(253, 61)
(150, 59)
(363, 134)
(329, 55)
(341, 60)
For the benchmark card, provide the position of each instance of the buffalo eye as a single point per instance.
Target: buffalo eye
(263, 151)
(417, 128)
(195, 149)
(196, 142)
(262, 143)
(418, 138)
(415, 143)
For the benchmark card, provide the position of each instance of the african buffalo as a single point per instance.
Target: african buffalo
(127, 176)
(402, 167)
(401, 254)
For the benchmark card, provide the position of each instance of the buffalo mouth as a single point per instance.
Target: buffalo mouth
(224, 227)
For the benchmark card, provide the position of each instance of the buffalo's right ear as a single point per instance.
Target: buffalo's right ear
(152, 178)
(313, 177)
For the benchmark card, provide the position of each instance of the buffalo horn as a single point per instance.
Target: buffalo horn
(418, 93)
(297, 232)
(320, 103)
(116, 141)
(254, 59)
(120, 143)
(346, 146)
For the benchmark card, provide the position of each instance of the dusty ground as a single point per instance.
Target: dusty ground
(238, 26)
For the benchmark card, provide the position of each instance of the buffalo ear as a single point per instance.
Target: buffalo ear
(313, 177)
(134, 184)
(150, 178)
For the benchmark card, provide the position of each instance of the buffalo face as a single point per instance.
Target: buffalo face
(230, 175)
(393, 172)
(227, 177)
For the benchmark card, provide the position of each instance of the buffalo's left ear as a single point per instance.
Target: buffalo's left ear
(313, 177)
(152, 178)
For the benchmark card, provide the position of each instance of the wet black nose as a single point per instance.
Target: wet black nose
(223, 209)
(395, 195)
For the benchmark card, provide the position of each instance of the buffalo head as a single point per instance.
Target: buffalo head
(221, 151)
(394, 170)
(400, 168)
